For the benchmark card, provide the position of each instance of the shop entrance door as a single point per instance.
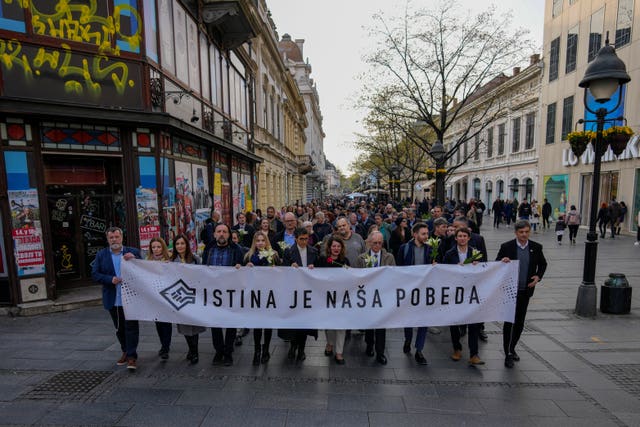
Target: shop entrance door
(84, 198)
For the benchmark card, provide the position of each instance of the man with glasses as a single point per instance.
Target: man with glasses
(287, 235)
(376, 256)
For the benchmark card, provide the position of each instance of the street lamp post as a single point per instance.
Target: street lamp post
(395, 173)
(438, 152)
(606, 74)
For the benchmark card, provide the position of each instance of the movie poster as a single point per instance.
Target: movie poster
(26, 231)
(147, 212)
(184, 208)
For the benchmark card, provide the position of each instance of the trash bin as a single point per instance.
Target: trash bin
(615, 295)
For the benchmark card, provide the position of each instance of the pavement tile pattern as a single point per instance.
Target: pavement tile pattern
(59, 369)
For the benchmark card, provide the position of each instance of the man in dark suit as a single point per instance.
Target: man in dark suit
(287, 235)
(532, 267)
(245, 231)
(456, 255)
(377, 257)
(299, 255)
(106, 271)
(223, 252)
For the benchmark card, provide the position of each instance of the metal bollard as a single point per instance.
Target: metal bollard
(615, 295)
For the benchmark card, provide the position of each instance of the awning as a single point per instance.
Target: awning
(455, 179)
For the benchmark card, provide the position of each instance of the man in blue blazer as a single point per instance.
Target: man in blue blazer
(532, 267)
(106, 271)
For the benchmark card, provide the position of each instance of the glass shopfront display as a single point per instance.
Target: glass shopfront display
(84, 198)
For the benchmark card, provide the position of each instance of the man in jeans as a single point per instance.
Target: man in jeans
(415, 252)
(223, 252)
(106, 271)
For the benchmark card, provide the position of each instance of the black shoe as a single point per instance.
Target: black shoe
(301, 356)
(483, 336)
(420, 358)
(381, 359)
(406, 348)
(194, 359)
(515, 356)
(256, 358)
(189, 355)
(292, 352)
(328, 353)
(227, 360)
(508, 362)
(265, 357)
(164, 354)
(369, 351)
(218, 359)
(339, 361)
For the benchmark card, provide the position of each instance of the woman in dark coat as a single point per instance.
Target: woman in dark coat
(400, 235)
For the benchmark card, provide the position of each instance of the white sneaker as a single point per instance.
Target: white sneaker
(637, 243)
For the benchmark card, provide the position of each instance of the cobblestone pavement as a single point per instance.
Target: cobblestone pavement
(59, 369)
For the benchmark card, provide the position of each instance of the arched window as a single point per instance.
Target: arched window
(528, 189)
(500, 188)
(476, 188)
(515, 187)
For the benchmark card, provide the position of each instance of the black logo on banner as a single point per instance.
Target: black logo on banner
(179, 295)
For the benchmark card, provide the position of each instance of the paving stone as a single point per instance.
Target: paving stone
(296, 400)
(87, 413)
(142, 395)
(24, 412)
(438, 405)
(366, 403)
(308, 418)
(246, 417)
(540, 408)
(164, 415)
(216, 398)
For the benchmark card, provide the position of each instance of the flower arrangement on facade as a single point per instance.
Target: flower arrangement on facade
(579, 140)
(431, 173)
(269, 255)
(476, 255)
(434, 244)
(441, 171)
(617, 137)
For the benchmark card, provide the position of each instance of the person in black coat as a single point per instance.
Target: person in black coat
(245, 231)
(299, 255)
(457, 255)
(221, 251)
(532, 267)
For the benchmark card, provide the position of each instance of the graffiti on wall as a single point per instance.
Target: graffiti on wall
(60, 72)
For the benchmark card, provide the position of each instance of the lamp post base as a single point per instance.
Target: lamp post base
(586, 301)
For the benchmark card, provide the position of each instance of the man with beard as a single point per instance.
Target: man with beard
(223, 252)
(415, 252)
(106, 271)
(275, 224)
(353, 242)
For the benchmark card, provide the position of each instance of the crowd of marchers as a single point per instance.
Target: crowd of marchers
(327, 234)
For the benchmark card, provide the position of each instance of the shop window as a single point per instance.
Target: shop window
(80, 137)
(87, 172)
(150, 30)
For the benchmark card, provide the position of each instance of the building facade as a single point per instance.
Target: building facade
(280, 122)
(574, 31)
(129, 113)
(501, 160)
(293, 55)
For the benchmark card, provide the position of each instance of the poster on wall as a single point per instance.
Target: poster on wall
(169, 212)
(555, 191)
(3, 258)
(147, 212)
(636, 202)
(26, 231)
(217, 190)
(185, 221)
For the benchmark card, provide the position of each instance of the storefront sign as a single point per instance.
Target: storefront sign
(323, 298)
(94, 224)
(588, 157)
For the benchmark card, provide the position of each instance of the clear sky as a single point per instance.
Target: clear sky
(335, 37)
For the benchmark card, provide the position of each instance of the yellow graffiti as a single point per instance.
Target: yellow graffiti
(78, 80)
(80, 23)
(66, 261)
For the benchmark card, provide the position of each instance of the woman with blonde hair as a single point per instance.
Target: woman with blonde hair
(261, 255)
(158, 251)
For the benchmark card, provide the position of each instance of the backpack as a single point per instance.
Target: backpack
(573, 218)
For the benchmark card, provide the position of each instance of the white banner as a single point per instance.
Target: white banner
(320, 298)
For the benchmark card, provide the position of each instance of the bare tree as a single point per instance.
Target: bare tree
(431, 67)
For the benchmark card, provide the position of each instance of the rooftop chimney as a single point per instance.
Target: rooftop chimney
(300, 43)
(516, 71)
(534, 59)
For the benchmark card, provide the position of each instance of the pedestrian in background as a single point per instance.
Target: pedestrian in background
(560, 226)
(573, 222)
(535, 216)
(546, 213)
(603, 219)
